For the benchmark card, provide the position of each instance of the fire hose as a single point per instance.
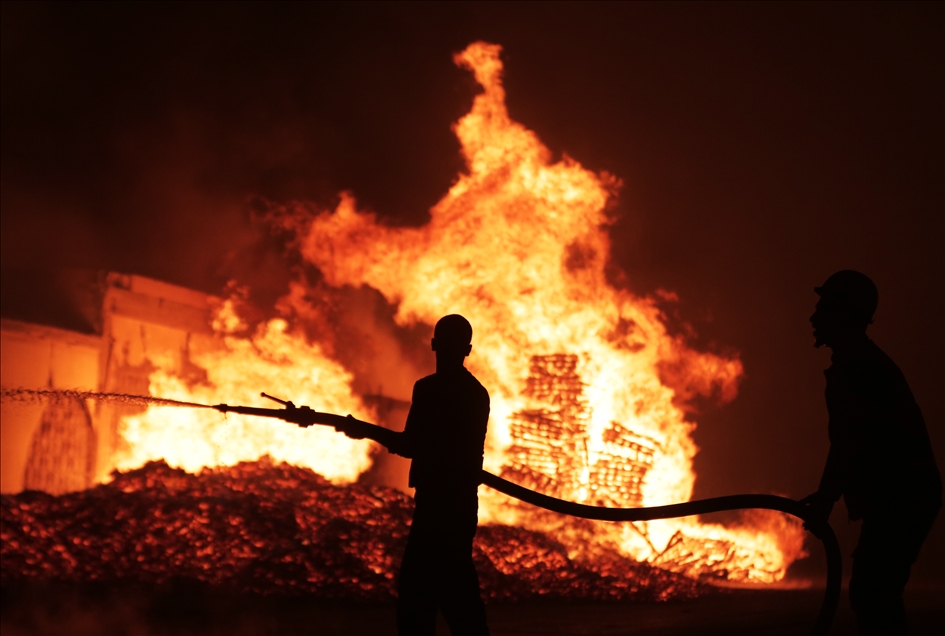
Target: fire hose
(699, 507)
(304, 416)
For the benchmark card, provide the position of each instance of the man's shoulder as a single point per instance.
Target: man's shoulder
(464, 379)
(876, 362)
(477, 387)
(875, 355)
(426, 380)
(869, 368)
(425, 384)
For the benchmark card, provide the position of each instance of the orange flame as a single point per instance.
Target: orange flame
(519, 246)
(236, 368)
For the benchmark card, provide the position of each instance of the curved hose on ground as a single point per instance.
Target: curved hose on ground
(703, 506)
(304, 416)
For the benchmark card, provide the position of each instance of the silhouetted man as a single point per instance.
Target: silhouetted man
(880, 456)
(444, 436)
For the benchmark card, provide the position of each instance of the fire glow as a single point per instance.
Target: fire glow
(588, 387)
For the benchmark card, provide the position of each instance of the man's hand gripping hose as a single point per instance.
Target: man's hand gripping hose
(812, 516)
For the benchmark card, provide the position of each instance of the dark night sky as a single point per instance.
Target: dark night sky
(763, 146)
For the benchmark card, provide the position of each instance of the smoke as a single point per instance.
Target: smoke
(355, 326)
(141, 153)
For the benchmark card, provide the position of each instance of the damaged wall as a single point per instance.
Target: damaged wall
(146, 324)
(47, 446)
(66, 445)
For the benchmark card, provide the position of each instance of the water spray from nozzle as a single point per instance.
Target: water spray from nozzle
(34, 396)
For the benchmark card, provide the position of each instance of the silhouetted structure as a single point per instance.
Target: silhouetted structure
(444, 436)
(880, 459)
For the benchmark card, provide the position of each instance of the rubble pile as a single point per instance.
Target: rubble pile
(266, 528)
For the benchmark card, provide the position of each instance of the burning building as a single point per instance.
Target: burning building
(589, 387)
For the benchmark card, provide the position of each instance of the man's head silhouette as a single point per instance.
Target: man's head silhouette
(451, 341)
(847, 303)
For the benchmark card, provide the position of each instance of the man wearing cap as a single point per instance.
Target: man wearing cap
(444, 436)
(880, 458)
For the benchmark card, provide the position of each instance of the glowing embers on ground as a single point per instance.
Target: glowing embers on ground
(264, 528)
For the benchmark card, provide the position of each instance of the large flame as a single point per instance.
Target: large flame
(588, 387)
(272, 356)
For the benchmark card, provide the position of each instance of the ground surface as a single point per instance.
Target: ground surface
(190, 611)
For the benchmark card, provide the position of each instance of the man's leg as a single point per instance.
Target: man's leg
(416, 601)
(461, 600)
(459, 596)
(876, 586)
(882, 562)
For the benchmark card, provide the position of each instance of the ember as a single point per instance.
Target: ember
(272, 528)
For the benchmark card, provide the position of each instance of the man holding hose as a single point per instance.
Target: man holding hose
(444, 436)
(880, 457)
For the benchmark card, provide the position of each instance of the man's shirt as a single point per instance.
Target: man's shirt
(880, 451)
(445, 432)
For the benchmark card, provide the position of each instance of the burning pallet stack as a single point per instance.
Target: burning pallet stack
(550, 454)
(616, 476)
(550, 448)
(549, 451)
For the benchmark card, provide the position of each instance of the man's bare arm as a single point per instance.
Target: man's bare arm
(392, 440)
